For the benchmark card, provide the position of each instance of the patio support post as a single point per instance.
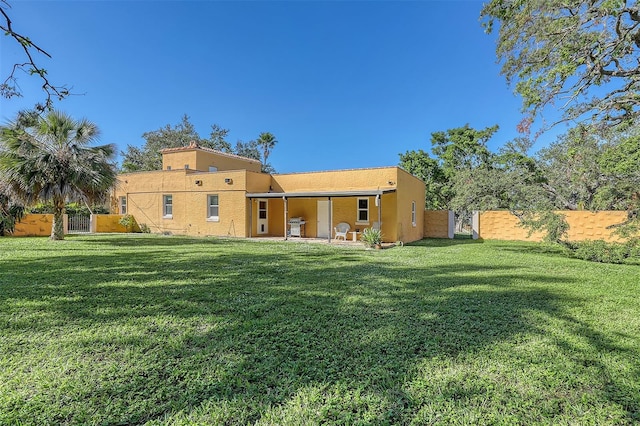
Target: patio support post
(330, 221)
(250, 216)
(379, 212)
(286, 215)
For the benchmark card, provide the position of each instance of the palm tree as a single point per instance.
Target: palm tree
(11, 211)
(266, 141)
(47, 158)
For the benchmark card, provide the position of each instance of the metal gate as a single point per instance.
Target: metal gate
(79, 224)
(464, 224)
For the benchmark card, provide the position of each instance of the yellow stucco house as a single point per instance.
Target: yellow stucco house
(205, 192)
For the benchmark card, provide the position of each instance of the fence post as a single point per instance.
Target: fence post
(452, 225)
(92, 223)
(475, 225)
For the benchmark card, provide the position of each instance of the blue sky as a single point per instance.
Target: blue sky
(341, 84)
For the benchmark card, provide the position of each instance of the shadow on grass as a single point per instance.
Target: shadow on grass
(145, 240)
(443, 242)
(247, 327)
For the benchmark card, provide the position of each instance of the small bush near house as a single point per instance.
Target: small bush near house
(129, 222)
(144, 228)
(371, 237)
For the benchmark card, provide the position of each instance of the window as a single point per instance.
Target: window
(413, 213)
(262, 209)
(167, 209)
(213, 208)
(363, 210)
(186, 166)
(213, 169)
(168, 167)
(123, 205)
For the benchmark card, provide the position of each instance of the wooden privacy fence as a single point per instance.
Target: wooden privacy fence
(502, 225)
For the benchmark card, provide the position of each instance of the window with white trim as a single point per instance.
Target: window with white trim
(213, 169)
(123, 205)
(363, 210)
(213, 207)
(413, 213)
(167, 205)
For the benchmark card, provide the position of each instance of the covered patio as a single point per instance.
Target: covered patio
(324, 229)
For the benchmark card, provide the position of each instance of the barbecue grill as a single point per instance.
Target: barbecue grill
(296, 227)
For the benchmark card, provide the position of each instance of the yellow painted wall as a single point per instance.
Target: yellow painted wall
(178, 160)
(107, 223)
(36, 225)
(396, 207)
(584, 225)
(189, 189)
(344, 180)
(436, 224)
(200, 159)
(257, 182)
(144, 192)
(307, 209)
(410, 189)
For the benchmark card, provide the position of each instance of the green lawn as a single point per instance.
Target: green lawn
(147, 329)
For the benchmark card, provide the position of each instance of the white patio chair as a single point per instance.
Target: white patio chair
(341, 230)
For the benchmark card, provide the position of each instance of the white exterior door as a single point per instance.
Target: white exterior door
(323, 219)
(263, 217)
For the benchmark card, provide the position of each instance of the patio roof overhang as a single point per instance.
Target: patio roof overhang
(314, 194)
(285, 196)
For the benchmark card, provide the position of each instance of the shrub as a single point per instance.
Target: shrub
(553, 225)
(144, 228)
(129, 222)
(70, 209)
(371, 237)
(601, 251)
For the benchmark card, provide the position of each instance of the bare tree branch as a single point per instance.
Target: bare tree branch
(9, 87)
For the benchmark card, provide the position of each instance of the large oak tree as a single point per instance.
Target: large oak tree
(579, 57)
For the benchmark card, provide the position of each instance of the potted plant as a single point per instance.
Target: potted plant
(372, 238)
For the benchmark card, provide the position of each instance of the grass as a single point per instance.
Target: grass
(147, 329)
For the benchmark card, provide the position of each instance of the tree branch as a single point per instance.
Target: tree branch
(9, 88)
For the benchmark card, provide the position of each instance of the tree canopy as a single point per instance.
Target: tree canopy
(149, 157)
(49, 158)
(580, 57)
(11, 210)
(455, 150)
(584, 169)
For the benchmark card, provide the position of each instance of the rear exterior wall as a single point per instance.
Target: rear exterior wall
(201, 160)
(189, 192)
(410, 196)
